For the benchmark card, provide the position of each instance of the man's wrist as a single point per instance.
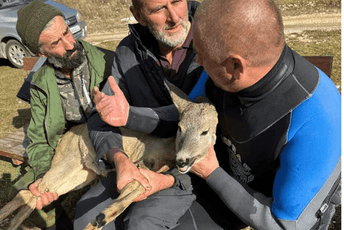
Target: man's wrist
(205, 177)
(172, 181)
(117, 151)
(115, 155)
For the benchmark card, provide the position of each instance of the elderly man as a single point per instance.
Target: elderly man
(60, 90)
(158, 47)
(277, 163)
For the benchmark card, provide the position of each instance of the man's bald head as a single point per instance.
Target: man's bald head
(252, 29)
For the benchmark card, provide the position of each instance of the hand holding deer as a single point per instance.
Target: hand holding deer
(43, 199)
(207, 165)
(128, 172)
(157, 180)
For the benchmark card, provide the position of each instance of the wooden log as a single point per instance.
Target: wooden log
(13, 146)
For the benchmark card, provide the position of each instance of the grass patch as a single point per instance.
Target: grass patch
(14, 112)
(106, 15)
(9, 175)
(101, 15)
(110, 45)
(319, 43)
(299, 7)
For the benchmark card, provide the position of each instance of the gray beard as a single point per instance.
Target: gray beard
(65, 61)
(166, 41)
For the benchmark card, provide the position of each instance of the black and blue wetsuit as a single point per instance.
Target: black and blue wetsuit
(279, 146)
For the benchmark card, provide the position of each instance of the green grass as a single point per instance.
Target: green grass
(106, 15)
(101, 15)
(319, 43)
(9, 175)
(298, 7)
(14, 112)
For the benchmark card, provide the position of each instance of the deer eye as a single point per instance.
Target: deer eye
(204, 133)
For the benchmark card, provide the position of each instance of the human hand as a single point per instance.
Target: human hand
(207, 165)
(128, 172)
(114, 110)
(43, 199)
(158, 182)
(17, 162)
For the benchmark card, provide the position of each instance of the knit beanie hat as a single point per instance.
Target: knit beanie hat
(31, 21)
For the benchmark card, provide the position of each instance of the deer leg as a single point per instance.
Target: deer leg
(23, 213)
(11, 207)
(129, 193)
(22, 198)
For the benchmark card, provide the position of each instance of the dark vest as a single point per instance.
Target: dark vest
(253, 123)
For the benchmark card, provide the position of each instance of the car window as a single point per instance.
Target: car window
(11, 3)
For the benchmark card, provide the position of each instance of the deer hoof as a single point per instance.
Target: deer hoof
(99, 221)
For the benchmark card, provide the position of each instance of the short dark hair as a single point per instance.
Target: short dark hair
(137, 4)
(251, 28)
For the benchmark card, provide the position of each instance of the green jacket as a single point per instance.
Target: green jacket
(48, 122)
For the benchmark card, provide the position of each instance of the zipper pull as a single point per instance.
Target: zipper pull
(82, 84)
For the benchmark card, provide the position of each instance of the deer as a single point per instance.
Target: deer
(196, 133)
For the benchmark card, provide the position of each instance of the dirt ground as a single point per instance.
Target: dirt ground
(292, 24)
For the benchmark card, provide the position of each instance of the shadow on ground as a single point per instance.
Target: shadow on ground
(23, 118)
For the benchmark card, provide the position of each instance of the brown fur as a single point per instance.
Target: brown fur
(73, 165)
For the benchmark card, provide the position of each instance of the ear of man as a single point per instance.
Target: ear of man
(235, 66)
(42, 55)
(138, 16)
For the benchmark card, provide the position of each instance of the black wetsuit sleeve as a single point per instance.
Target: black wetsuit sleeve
(161, 121)
(103, 136)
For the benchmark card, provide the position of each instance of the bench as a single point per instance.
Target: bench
(13, 146)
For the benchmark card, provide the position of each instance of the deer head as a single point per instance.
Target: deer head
(196, 128)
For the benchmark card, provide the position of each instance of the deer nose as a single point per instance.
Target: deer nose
(183, 162)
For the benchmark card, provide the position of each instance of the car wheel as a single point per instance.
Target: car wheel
(16, 52)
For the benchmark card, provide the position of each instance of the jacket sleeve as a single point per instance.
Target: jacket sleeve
(40, 153)
(309, 170)
(103, 136)
(161, 121)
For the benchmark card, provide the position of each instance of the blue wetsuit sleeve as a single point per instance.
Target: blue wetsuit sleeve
(309, 167)
(311, 155)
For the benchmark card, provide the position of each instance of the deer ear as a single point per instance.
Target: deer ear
(179, 98)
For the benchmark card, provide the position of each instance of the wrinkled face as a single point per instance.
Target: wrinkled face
(59, 46)
(196, 133)
(214, 62)
(167, 20)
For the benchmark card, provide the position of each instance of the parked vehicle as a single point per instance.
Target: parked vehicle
(10, 42)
